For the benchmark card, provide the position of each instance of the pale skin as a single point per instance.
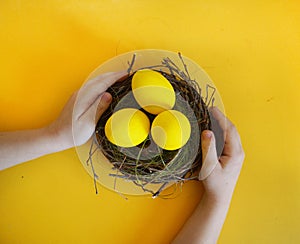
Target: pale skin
(205, 223)
(21, 146)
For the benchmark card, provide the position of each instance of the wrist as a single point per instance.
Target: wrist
(217, 199)
(56, 138)
(219, 191)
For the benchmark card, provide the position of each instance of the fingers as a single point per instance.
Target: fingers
(105, 80)
(219, 117)
(91, 92)
(209, 154)
(232, 139)
(103, 104)
(93, 113)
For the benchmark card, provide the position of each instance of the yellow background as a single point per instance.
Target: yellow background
(249, 48)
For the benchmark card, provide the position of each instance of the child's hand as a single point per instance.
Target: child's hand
(219, 185)
(84, 109)
(219, 177)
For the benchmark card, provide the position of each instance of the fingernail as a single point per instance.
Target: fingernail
(207, 134)
(106, 97)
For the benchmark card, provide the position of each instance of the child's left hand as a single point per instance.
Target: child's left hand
(77, 121)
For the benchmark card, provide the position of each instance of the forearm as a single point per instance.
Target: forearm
(205, 224)
(21, 146)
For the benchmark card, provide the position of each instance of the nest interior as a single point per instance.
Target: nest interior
(147, 163)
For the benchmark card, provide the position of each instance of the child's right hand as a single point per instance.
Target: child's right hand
(220, 183)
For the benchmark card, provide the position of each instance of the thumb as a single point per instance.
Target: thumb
(103, 105)
(209, 154)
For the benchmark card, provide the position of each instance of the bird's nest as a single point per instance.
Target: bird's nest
(147, 163)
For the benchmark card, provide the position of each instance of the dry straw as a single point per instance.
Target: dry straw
(147, 163)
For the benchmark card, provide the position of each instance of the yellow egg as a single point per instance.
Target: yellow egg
(171, 130)
(127, 127)
(152, 91)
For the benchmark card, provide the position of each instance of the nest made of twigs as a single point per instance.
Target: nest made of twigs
(147, 163)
